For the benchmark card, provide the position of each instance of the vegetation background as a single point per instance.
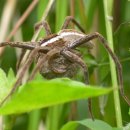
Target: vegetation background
(92, 15)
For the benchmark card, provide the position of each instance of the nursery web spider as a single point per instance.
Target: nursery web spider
(57, 56)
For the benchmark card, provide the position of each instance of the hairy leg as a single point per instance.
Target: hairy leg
(45, 25)
(108, 49)
(71, 19)
(37, 27)
(74, 58)
(26, 45)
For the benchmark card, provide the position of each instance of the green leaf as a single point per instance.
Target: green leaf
(6, 83)
(127, 127)
(61, 13)
(11, 77)
(89, 123)
(3, 83)
(40, 93)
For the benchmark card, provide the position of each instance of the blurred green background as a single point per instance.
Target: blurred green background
(90, 14)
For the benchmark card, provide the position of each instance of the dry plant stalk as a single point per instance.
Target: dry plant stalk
(45, 14)
(5, 20)
(22, 19)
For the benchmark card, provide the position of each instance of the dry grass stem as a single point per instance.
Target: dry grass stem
(22, 19)
(6, 20)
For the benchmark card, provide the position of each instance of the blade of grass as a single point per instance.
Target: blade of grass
(6, 19)
(45, 14)
(4, 26)
(72, 8)
(108, 12)
(8, 122)
(61, 12)
(82, 15)
(22, 19)
(90, 11)
(54, 117)
(44, 8)
(41, 8)
(54, 113)
(34, 120)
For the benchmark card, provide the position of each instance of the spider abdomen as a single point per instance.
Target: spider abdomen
(58, 66)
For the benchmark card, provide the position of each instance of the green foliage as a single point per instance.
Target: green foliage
(92, 15)
(61, 12)
(93, 125)
(46, 91)
(6, 83)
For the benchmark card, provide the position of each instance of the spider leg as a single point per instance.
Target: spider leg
(74, 58)
(43, 24)
(21, 73)
(71, 19)
(113, 55)
(37, 27)
(25, 45)
(40, 62)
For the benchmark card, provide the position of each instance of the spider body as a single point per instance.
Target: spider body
(57, 65)
(57, 56)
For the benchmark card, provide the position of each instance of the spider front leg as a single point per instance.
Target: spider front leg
(43, 24)
(74, 58)
(71, 19)
(26, 45)
(37, 27)
(102, 40)
(21, 73)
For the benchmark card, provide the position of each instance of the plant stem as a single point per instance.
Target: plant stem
(35, 115)
(61, 12)
(54, 116)
(108, 7)
(8, 122)
(6, 19)
(54, 113)
(34, 118)
(4, 26)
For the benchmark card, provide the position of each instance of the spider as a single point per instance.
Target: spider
(57, 56)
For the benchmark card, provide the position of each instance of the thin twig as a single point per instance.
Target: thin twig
(72, 9)
(22, 19)
(45, 13)
(109, 34)
(18, 24)
(4, 26)
(5, 20)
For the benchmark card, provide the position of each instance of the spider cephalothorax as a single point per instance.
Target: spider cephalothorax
(57, 56)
